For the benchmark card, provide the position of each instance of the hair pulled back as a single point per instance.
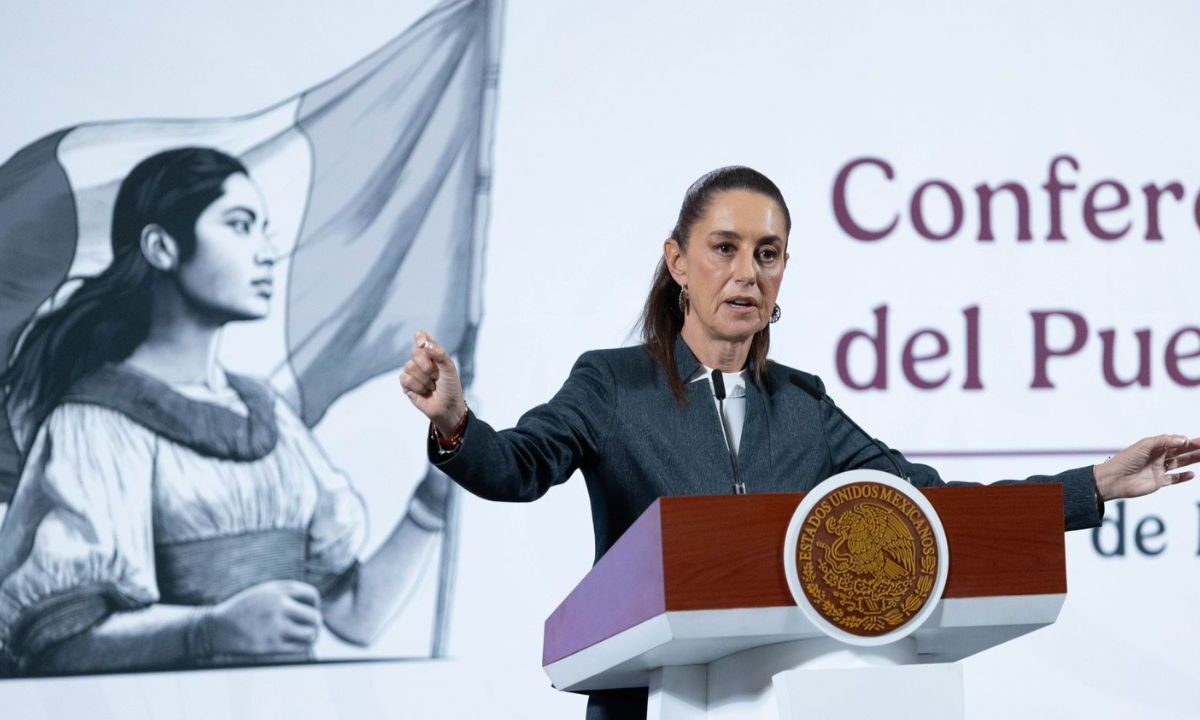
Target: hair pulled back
(108, 316)
(662, 319)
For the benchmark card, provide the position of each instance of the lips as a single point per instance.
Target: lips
(265, 286)
(742, 302)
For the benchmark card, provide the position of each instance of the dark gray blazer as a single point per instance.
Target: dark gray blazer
(616, 420)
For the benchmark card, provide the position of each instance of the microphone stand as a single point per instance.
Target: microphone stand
(718, 383)
(819, 395)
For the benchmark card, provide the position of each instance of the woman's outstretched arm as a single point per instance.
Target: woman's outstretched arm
(1140, 469)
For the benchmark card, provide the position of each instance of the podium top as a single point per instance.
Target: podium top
(726, 552)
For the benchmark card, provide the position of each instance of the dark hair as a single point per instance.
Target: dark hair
(108, 316)
(662, 319)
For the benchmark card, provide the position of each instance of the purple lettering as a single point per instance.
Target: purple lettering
(1108, 343)
(841, 208)
(973, 382)
(878, 343)
(910, 358)
(1054, 188)
(1041, 350)
(1153, 193)
(916, 210)
(1021, 197)
(1091, 211)
(1174, 356)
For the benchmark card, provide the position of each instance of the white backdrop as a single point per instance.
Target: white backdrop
(607, 112)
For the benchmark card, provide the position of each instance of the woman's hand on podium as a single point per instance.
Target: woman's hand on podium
(1146, 466)
(430, 380)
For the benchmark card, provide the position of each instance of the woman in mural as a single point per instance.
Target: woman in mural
(169, 513)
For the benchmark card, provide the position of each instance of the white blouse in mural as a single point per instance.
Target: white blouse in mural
(101, 495)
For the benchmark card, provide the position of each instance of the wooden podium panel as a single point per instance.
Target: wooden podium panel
(712, 553)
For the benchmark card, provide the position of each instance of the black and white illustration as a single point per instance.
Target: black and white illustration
(182, 304)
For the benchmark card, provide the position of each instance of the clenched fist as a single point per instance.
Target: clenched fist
(275, 617)
(430, 380)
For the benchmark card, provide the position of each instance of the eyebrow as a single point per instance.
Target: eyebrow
(242, 208)
(731, 235)
(727, 234)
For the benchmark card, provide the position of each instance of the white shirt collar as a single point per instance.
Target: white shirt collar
(735, 383)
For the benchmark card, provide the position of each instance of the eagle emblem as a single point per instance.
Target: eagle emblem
(867, 558)
(871, 540)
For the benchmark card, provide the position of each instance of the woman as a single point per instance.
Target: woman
(639, 422)
(171, 514)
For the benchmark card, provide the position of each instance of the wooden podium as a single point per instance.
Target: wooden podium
(692, 602)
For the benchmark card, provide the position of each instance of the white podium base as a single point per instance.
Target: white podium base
(912, 692)
(818, 678)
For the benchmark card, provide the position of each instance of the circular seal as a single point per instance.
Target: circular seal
(866, 557)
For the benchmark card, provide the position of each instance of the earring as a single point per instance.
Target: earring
(776, 314)
(684, 301)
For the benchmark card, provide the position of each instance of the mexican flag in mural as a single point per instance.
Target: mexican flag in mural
(376, 179)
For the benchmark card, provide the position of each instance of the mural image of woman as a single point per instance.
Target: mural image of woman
(171, 514)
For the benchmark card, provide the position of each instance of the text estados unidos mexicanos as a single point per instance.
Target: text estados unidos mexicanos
(871, 491)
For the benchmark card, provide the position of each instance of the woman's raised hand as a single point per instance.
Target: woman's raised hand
(430, 380)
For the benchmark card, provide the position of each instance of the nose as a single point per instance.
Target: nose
(267, 253)
(743, 267)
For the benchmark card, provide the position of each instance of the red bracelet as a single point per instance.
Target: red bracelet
(455, 439)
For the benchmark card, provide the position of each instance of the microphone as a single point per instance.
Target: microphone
(819, 395)
(718, 383)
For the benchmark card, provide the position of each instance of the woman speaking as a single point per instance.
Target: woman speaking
(643, 422)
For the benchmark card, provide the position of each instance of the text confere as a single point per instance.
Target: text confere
(1108, 207)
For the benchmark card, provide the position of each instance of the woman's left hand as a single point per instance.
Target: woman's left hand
(1146, 466)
